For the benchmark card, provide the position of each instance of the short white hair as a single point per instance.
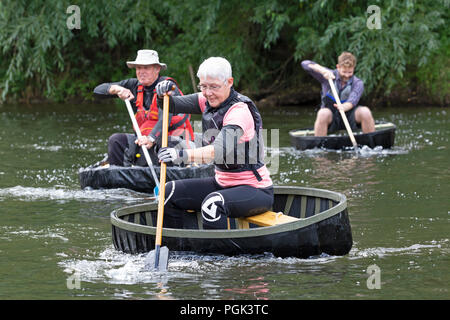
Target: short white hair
(216, 68)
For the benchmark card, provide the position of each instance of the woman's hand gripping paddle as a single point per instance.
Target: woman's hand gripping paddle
(144, 149)
(344, 117)
(158, 259)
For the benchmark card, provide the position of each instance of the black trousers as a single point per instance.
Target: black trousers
(215, 202)
(122, 151)
(337, 123)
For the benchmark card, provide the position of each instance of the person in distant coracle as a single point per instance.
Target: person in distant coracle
(124, 149)
(349, 87)
(232, 139)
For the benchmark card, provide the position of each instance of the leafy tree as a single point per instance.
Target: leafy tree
(411, 34)
(265, 40)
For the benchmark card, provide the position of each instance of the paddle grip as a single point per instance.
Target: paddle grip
(344, 117)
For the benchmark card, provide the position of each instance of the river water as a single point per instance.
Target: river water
(55, 239)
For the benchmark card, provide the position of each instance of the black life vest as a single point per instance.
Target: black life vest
(212, 123)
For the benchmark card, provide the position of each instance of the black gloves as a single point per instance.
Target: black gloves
(161, 88)
(164, 86)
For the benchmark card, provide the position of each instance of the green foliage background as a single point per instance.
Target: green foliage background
(265, 41)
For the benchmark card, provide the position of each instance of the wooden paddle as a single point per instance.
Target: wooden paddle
(158, 259)
(344, 117)
(144, 149)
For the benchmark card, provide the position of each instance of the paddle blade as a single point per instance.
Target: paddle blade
(157, 260)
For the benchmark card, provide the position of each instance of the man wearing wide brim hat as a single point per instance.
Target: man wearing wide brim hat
(145, 58)
(124, 149)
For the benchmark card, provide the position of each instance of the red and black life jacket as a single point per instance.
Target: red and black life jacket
(147, 119)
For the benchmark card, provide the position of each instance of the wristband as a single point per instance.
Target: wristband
(183, 155)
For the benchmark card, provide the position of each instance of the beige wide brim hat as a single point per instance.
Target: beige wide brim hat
(146, 57)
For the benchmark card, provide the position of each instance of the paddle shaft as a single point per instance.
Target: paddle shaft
(342, 112)
(144, 149)
(162, 182)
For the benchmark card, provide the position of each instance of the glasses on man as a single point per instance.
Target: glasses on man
(213, 87)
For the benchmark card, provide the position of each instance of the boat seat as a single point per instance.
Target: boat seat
(266, 219)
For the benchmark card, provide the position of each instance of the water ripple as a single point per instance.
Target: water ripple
(115, 267)
(61, 193)
(381, 252)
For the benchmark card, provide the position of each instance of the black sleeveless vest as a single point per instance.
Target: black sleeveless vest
(212, 123)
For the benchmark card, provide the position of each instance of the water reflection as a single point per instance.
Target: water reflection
(345, 171)
(340, 171)
(258, 289)
(259, 277)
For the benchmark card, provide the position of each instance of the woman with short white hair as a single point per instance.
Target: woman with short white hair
(215, 67)
(232, 139)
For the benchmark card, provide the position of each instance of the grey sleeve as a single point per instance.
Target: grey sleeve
(227, 150)
(184, 104)
(316, 75)
(102, 90)
(177, 104)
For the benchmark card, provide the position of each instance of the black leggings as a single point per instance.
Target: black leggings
(215, 202)
(122, 151)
